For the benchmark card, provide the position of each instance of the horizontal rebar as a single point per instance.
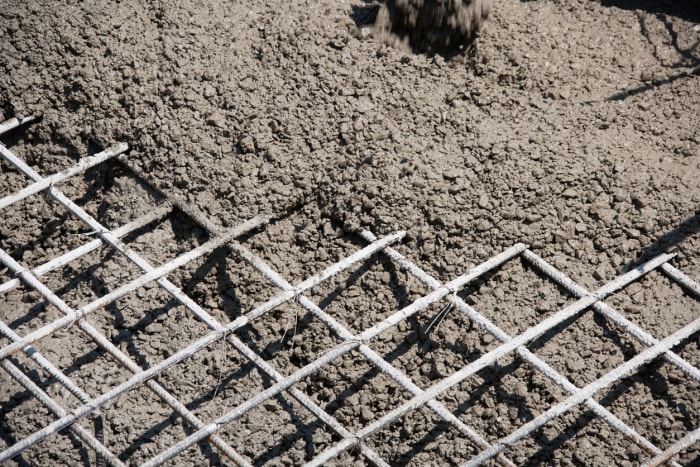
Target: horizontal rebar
(59, 411)
(83, 165)
(13, 123)
(603, 382)
(483, 323)
(491, 357)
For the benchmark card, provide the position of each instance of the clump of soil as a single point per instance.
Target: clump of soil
(437, 26)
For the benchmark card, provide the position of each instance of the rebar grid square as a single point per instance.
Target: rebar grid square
(354, 391)
(432, 344)
(288, 337)
(280, 431)
(501, 397)
(588, 439)
(77, 356)
(13, 178)
(214, 408)
(224, 284)
(422, 437)
(166, 239)
(594, 346)
(647, 304)
(24, 310)
(516, 296)
(46, 231)
(150, 334)
(91, 276)
(363, 296)
(657, 387)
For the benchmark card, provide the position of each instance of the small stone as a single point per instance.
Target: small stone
(451, 174)
(209, 91)
(271, 406)
(246, 144)
(487, 339)
(570, 193)
(601, 273)
(531, 218)
(483, 225)
(217, 120)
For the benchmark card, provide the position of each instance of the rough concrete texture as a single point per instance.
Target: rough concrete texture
(569, 125)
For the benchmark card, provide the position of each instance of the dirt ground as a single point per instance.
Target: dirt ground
(569, 125)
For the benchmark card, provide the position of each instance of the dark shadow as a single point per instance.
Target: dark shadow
(154, 430)
(669, 240)
(650, 376)
(654, 84)
(365, 15)
(688, 10)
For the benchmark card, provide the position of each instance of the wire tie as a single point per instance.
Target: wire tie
(297, 294)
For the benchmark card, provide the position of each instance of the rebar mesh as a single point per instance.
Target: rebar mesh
(356, 342)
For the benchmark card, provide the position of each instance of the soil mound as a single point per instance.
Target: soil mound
(438, 26)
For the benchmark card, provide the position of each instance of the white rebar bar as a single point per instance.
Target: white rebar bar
(483, 323)
(685, 281)
(158, 213)
(44, 183)
(683, 443)
(59, 411)
(603, 382)
(491, 357)
(625, 324)
(13, 123)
